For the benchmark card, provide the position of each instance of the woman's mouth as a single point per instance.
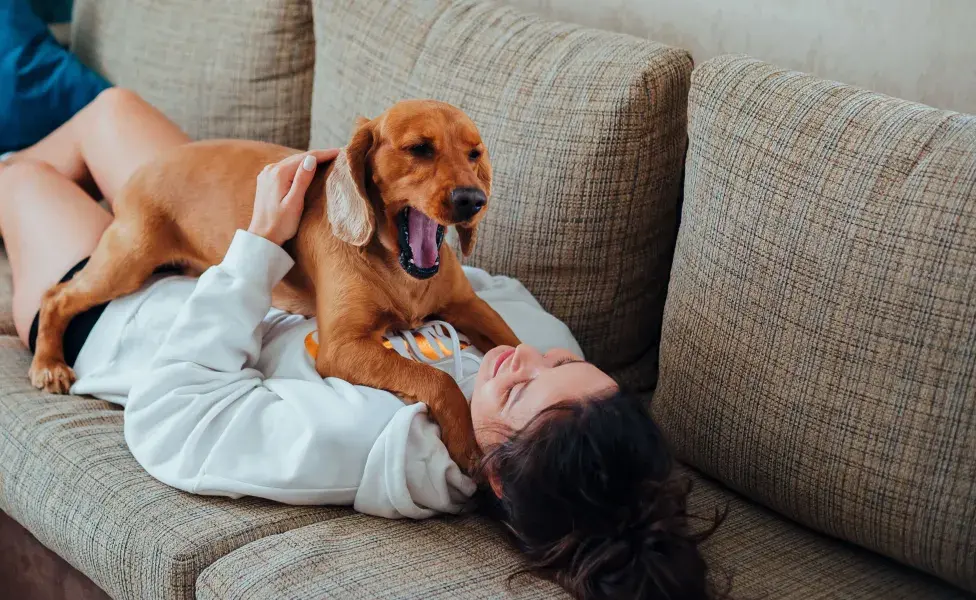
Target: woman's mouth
(501, 360)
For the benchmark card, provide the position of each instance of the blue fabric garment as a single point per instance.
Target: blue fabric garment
(41, 84)
(53, 11)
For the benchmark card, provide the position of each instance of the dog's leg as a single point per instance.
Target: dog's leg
(483, 326)
(350, 347)
(365, 361)
(121, 262)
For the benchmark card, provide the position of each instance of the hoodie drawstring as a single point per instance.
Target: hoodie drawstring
(433, 332)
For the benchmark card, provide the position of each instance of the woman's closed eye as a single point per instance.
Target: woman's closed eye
(567, 360)
(514, 390)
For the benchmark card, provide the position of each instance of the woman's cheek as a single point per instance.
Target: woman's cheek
(492, 397)
(483, 405)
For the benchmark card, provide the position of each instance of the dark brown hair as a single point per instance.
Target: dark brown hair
(588, 494)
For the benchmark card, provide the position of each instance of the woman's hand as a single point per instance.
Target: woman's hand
(280, 195)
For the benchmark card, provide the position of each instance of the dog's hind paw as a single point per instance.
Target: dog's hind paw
(54, 377)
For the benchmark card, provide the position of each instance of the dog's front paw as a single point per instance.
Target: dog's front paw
(463, 449)
(52, 376)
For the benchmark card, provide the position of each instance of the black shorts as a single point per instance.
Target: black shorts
(78, 329)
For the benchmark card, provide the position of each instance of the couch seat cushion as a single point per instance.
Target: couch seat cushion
(363, 557)
(767, 556)
(586, 131)
(218, 68)
(819, 347)
(67, 476)
(367, 557)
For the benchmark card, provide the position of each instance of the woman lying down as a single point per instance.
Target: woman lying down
(222, 397)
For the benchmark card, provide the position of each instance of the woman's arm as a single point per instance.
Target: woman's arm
(202, 408)
(205, 421)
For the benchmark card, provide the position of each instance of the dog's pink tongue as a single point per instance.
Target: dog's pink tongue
(423, 239)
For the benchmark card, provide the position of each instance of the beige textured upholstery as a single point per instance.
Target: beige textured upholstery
(218, 68)
(819, 347)
(818, 340)
(67, 475)
(586, 131)
(367, 557)
(460, 559)
(767, 556)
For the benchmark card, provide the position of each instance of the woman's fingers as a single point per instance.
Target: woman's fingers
(286, 169)
(279, 197)
(303, 175)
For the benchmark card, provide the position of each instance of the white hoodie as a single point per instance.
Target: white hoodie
(222, 398)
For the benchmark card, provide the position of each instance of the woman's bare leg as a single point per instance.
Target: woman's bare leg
(106, 141)
(48, 225)
(48, 222)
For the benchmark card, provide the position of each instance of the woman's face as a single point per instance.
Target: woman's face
(515, 384)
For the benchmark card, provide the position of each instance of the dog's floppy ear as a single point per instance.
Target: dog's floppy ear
(350, 212)
(469, 235)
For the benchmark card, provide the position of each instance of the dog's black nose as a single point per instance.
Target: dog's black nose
(467, 201)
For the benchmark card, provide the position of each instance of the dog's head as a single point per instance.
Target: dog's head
(405, 177)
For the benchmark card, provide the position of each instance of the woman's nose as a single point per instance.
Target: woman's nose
(527, 357)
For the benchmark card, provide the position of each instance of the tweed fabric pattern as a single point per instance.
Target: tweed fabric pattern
(364, 557)
(760, 555)
(586, 133)
(219, 69)
(67, 476)
(819, 347)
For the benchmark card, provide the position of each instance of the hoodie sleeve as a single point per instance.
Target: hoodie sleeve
(186, 413)
(409, 472)
(219, 327)
(205, 420)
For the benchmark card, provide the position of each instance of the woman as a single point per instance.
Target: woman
(221, 395)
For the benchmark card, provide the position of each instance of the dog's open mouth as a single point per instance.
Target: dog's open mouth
(420, 240)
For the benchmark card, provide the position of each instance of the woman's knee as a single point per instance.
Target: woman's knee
(115, 100)
(122, 119)
(22, 176)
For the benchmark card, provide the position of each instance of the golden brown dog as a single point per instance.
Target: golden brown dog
(368, 251)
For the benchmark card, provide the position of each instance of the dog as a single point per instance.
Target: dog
(368, 253)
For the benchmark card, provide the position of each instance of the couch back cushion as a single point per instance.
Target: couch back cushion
(586, 132)
(218, 68)
(819, 343)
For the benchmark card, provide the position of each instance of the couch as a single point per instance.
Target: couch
(783, 266)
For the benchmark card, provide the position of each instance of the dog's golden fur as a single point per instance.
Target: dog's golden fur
(185, 207)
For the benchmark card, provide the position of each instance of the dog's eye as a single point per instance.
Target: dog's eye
(422, 150)
(474, 154)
